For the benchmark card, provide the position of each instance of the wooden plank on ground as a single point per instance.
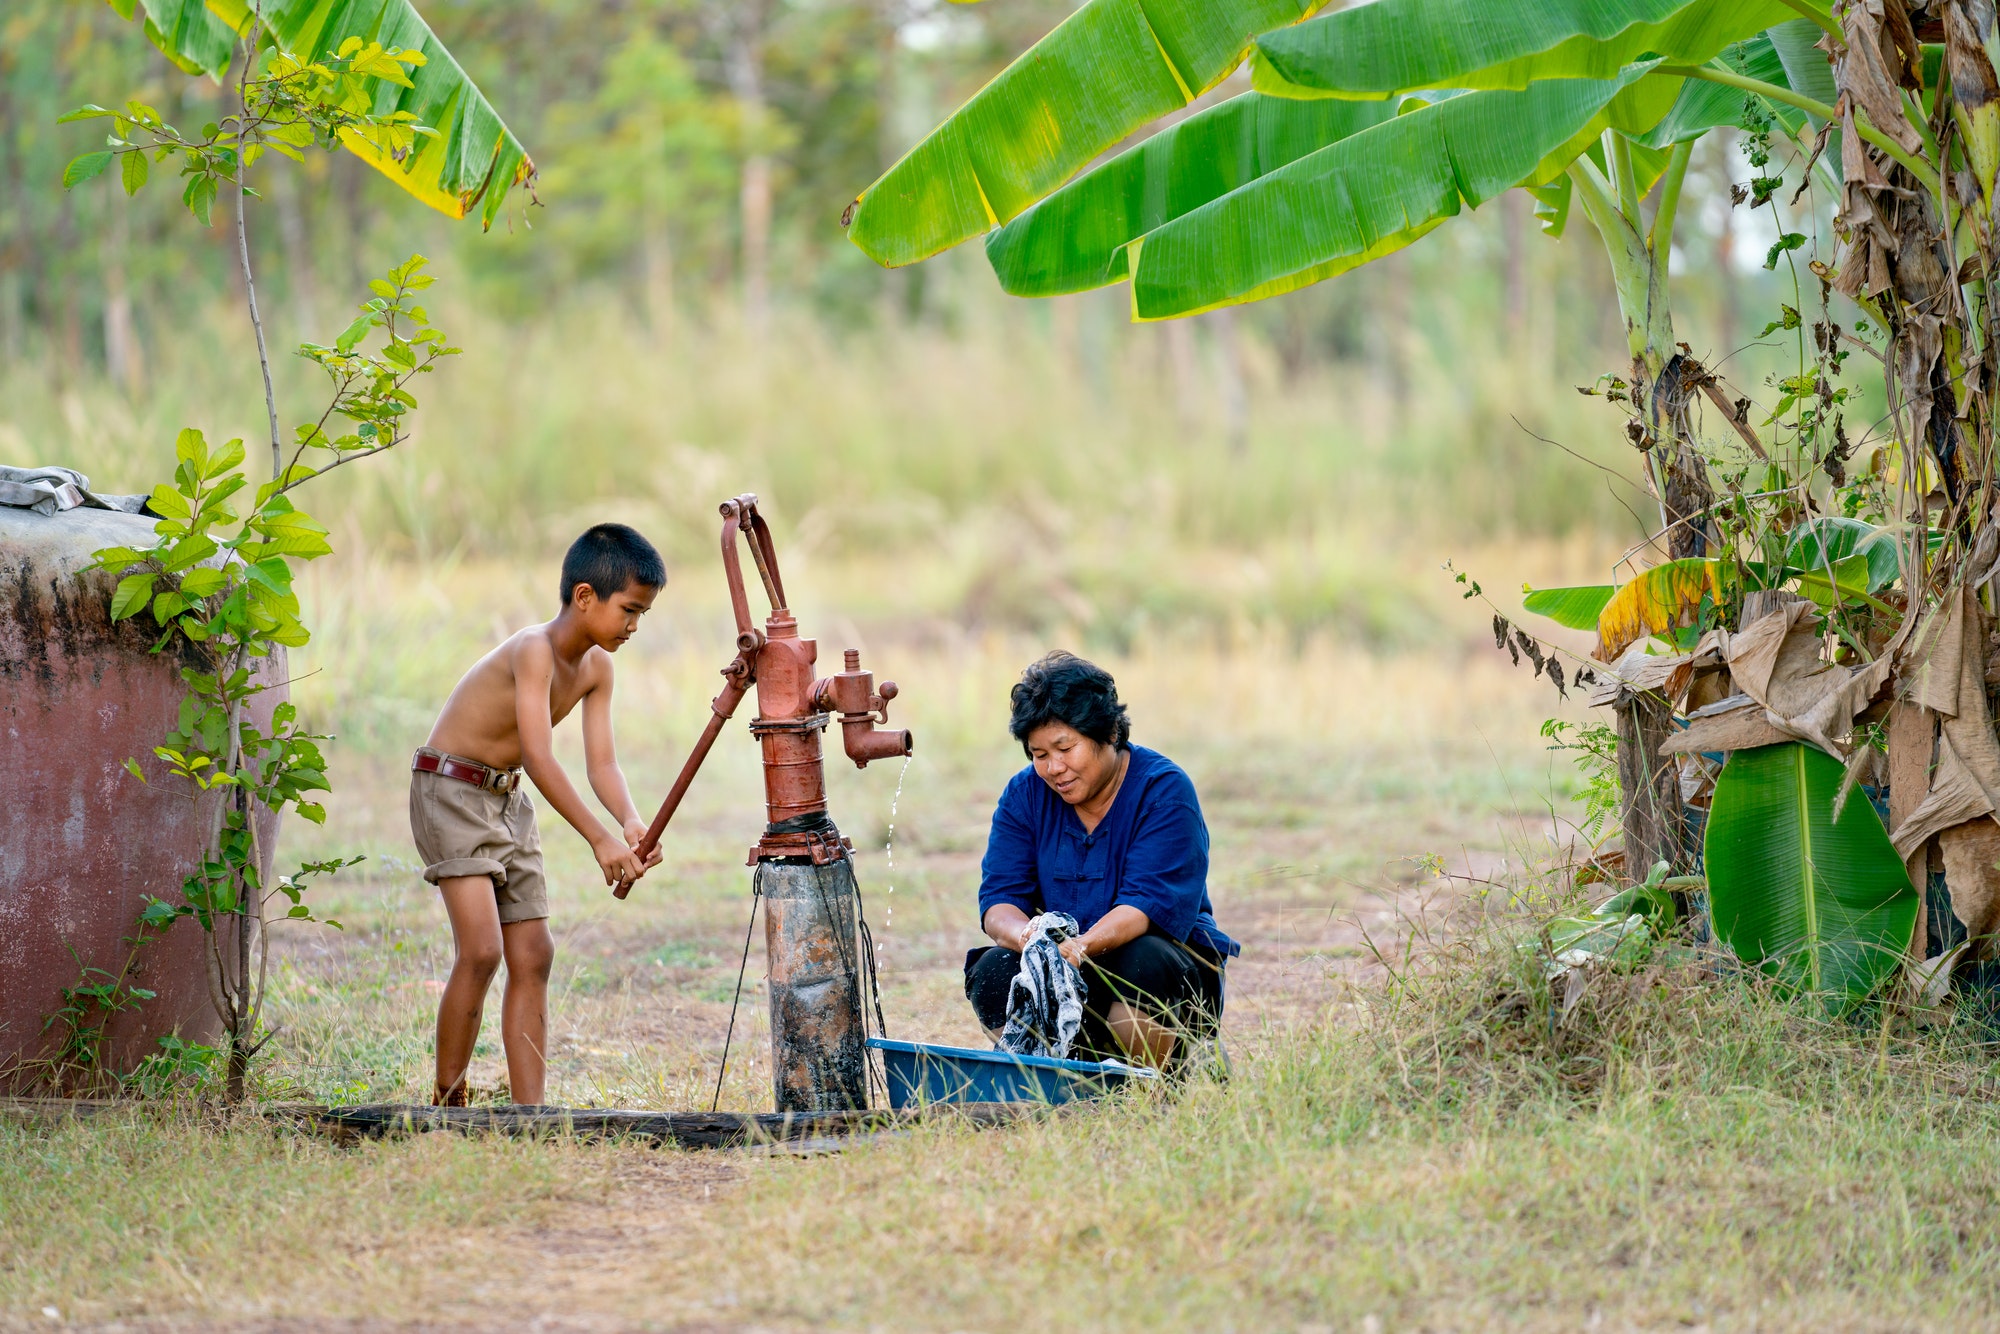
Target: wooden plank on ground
(691, 1130)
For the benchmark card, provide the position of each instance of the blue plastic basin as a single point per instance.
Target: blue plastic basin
(920, 1073)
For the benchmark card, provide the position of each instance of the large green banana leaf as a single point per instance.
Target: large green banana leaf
(1355, 200)
(187, 34)
(1705, 106)
(1806, 68)
(1577, 607)
(1109, 69)
(1394, 46)
(471, 160)
(1076, 238)
(1702, 106)
(1824, 904)
(1823, 543)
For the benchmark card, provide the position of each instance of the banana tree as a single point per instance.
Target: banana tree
(1366, 129)
(464, 157)
(1369, 127)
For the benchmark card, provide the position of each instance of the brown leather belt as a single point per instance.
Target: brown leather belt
(431, 761)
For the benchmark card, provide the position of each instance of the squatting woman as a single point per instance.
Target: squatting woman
(1110, 833)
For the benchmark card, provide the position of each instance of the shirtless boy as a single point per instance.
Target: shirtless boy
(475, 828)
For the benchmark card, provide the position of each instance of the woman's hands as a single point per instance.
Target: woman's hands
(1006, 926)
(1122, 925)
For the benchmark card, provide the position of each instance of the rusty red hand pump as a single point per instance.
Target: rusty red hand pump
(804, 870)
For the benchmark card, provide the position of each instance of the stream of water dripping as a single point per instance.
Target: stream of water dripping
(889, 854)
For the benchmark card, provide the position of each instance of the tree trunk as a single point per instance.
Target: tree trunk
(1912, 742)
(1229, 362)
(746, 83)
(1065, 332)
(756, 204)
(121, 353)
(69, 328)
(240, 1036)
(1392, 320)
(1515, 221)
(1727, 316)
(1177, 341)
(300, 287)
(656, 251)
(1654, 820)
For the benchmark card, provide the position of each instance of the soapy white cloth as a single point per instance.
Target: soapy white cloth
(1045, 1002)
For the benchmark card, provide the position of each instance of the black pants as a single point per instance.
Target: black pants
(1174, 984)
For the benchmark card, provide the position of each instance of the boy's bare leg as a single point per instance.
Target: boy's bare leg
(475, 933)
(524, 1010)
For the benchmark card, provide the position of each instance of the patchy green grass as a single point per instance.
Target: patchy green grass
(1427, 1148)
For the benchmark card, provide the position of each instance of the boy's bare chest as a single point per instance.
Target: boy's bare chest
(567, 685)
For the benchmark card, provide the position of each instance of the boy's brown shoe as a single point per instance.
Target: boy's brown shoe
(458, 1095)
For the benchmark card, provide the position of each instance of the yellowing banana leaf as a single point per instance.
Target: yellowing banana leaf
(1394, 46)
(472, 160)
(1377, 191)
(1577, 608)
(1109, 69)
(1659, 600)
(187, 34)
(1076, 238)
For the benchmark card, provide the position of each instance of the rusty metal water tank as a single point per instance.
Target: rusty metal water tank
(82, 842)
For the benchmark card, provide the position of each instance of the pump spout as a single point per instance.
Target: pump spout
(861, 707)
(864, 742)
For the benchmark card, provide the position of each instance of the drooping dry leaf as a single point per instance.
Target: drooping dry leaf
(1965, 783)
(1972, 870)
(1741, 728)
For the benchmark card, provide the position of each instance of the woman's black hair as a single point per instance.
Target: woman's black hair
(1063, 688)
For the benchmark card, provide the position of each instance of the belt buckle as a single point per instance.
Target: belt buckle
(506, 780)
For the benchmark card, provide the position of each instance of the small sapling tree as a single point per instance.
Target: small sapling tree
(218, 582)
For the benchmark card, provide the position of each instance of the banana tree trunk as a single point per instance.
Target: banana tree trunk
(1655, 822)
(1653, 817)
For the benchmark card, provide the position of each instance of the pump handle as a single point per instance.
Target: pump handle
(739, 515)
(738, 677)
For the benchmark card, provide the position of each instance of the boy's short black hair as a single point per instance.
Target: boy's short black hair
(608, 557)
(1063, 688)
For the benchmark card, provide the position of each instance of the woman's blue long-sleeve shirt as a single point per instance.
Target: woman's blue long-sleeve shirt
(1149, 851)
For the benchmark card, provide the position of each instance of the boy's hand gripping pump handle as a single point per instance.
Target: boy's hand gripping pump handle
(793, 709)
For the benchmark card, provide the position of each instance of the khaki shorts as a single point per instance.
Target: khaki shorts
(465, 830)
